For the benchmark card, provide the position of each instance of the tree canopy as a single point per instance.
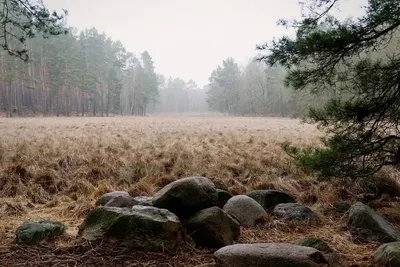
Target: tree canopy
(21, 20)
(359, 59)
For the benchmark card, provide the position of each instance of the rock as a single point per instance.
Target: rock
(388, 254)
(186, 196)
(235, 226)
(108, 196)
(268, 254)
(223, 197)
(367, 225)
(122, 202)
(330, 255)
(245, 209)
(295, 211)
(341, 207)
(270, 198)
(141, 227)
(32, 232)
(314, 242)
(144, 201)
(210, 228)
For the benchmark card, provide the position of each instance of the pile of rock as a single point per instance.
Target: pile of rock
(212, 218)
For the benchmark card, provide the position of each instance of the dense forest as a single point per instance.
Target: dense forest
(87, 73)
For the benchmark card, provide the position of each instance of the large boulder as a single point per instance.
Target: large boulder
(108, 196)
(270, 198)
(187, 196)
(210, 228)
(367, 225)
(388, 254)
(32, 232)
(245, 209)
(235, 226)
(268, 254)
(223, 197)
(122, 202)
(295, 211)
(141, 227)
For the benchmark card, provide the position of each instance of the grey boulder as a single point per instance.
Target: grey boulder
(210, 228)
(296, 212)
(268, 254)
(108, 196)
(186, 196)
(32, 232)
(245, 209)
(142, 227)
(388, 254)
(270, 198)
(122, 202)
(367, 225)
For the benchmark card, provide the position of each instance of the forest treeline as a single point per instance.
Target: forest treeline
(87, 73)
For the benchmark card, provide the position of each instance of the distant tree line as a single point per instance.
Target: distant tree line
(178, 96)
(257, 90)
(74, 74)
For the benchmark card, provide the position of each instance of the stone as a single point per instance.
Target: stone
(268, 199)
(32, 232)
(367, 225)
(235, 226)
(122, 202)
(295, 211)
(341, 207)
(187, 196)
(108, 196)
(330, 255)
(210, 228)
(144, 200)
(268, 254)
(223, 197)
(245, 209)
(388, 254)
(314, 242)
(141, 227)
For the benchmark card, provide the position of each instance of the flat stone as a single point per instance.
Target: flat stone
(268, 254)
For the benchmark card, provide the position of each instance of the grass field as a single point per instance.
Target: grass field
(55, 168)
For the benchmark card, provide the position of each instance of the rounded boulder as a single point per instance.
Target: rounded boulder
(187, 196)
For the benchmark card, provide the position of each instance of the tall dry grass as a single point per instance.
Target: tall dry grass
(57, 167)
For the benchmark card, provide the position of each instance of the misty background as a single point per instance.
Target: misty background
(135, 57)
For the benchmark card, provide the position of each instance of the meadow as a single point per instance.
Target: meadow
(55, 168)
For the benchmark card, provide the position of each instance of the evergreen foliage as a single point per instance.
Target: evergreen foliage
(359, 60)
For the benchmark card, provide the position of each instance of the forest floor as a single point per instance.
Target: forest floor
(55, 168)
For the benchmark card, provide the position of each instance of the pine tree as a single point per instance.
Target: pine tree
(351, 61)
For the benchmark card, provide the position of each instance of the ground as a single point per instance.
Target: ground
(55, 168)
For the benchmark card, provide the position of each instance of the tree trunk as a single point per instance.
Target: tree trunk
(94, 104)
(83, 104)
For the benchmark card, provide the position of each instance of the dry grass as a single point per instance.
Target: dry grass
(56, 168)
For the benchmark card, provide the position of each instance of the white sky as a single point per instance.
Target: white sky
(187, 38)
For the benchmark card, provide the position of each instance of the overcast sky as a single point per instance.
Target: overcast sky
(187, 38)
